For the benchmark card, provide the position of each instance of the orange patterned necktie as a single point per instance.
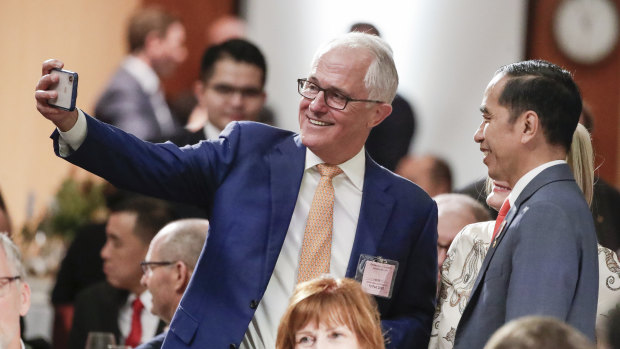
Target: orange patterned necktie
(317, 244)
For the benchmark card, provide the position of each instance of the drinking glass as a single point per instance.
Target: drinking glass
(100, 340)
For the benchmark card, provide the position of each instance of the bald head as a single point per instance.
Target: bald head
(171, 260)
(430, 172)
(182, 240)
(454, 212)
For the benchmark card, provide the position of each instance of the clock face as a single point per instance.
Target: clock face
(586, 31)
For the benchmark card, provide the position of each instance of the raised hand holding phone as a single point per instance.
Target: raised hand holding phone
(63, 119)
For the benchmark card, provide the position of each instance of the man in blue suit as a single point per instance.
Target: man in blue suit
(258, 184)
(543, 258)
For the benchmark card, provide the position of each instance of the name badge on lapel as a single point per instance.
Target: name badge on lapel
(377, 275)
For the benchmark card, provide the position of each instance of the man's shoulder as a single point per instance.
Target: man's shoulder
(257, 134)
(154, 343)
(122, 82)
(101, 292)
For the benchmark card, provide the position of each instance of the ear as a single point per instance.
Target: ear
(24, 305)
(530, 126)
(199, 89)
(151, 42)
(382, 112)
(181, 277)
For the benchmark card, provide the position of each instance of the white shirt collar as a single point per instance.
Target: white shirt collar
(145, 297)
(354, 168)
(143, 73)
(527, 178)
(210, 131)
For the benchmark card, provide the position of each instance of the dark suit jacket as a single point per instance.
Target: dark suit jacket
(96, 310)
(155, 343)
(127, 106)
(545, 263)
(249, 179)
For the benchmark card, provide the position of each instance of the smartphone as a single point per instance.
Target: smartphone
(67, 89)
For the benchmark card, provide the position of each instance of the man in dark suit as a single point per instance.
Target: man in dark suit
(259, 185)
(134, 100)
(543, 257)
(110, 306)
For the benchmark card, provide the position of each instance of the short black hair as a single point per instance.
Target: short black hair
(548, 90)
(151, 214)
(441, 173)
(239, 50)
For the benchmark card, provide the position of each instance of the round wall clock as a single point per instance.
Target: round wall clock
(586, 31)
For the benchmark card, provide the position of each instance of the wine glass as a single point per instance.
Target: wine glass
(100, 340)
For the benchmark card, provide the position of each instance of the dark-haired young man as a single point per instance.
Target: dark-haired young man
(231, 88)
(543, 257)
(121, 304)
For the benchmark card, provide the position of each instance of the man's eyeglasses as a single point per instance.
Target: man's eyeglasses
(333, 99)
(4, 283)
(228, 91)
(148, 266)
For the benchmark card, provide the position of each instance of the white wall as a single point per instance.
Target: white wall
(445, 52)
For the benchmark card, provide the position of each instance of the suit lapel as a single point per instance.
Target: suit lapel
(375, 211)
(551, 174)
(286, 171)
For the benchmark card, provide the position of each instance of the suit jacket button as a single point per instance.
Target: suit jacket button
(233, 346)
(253, 304)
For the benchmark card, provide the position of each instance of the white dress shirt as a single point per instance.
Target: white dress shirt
(147, 319)
(347, 202)
(527, 178)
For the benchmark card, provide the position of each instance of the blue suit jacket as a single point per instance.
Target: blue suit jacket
(544, 263)
(249, 180)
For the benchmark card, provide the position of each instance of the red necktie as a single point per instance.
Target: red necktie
(133, 340)
(500, 217)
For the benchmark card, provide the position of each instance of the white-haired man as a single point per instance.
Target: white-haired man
(277, 217)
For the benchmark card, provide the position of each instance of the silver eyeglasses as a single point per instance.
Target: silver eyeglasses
(333, 99)
(147, 265)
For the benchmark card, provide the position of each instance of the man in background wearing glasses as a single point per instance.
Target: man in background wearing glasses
(168, 267)
(262, 185)
(14, 294)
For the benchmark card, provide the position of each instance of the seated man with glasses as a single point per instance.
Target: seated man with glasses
(283, 207)
(169, 265)
(14, 294)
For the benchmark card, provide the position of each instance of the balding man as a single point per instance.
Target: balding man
(454, 212)
(430, 172)
(169, 265)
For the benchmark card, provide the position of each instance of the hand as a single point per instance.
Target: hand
(63, 119)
